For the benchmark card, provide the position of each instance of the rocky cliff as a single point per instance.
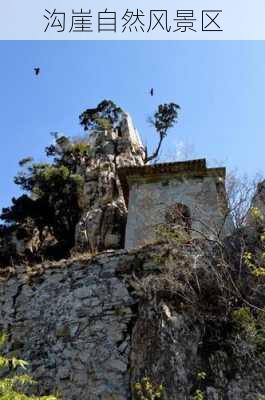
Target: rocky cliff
(102, 225)
(188, 313)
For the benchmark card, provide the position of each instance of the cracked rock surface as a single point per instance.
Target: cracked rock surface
(102, 225)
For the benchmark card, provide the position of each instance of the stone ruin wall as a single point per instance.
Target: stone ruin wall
(89, 336)
(73, 324)
(150, 199)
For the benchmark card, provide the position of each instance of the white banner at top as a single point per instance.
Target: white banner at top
(132, 20)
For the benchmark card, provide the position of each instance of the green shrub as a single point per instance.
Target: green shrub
(148, 390)
(13, 386)
(250, 326)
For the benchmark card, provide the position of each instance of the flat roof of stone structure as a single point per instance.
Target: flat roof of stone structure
(152, 173)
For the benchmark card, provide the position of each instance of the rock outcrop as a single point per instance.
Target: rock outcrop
(258, 202)
(259, 198)
(102, 225)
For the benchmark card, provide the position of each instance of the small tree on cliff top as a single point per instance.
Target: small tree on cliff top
(105, 116)
(164, 118)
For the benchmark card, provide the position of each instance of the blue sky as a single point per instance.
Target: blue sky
(220, 87)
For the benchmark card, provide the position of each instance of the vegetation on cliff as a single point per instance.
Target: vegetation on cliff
(14, 385)
(210, 290)
(46, 215)
(218, 287)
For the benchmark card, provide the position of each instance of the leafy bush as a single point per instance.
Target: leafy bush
(255, 260)
(13, 386)
(148, 390)
(105, 116)
(164, 118)
(250, 327)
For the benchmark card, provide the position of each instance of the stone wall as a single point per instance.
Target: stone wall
(88, 335)
(73, 324)
(149, 201)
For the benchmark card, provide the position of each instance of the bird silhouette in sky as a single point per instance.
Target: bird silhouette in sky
(37, 70)
(152, 92)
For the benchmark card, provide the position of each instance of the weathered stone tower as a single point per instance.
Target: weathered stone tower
(165, 193)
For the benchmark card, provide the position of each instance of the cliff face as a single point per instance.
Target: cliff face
(258, 202)
(90, 333)
(171, 347)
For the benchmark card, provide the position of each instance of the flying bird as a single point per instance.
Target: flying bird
(152, 92)
(37, 71)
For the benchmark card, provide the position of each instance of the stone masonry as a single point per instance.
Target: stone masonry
(73, 324)
(150, 191)
(89, 336)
